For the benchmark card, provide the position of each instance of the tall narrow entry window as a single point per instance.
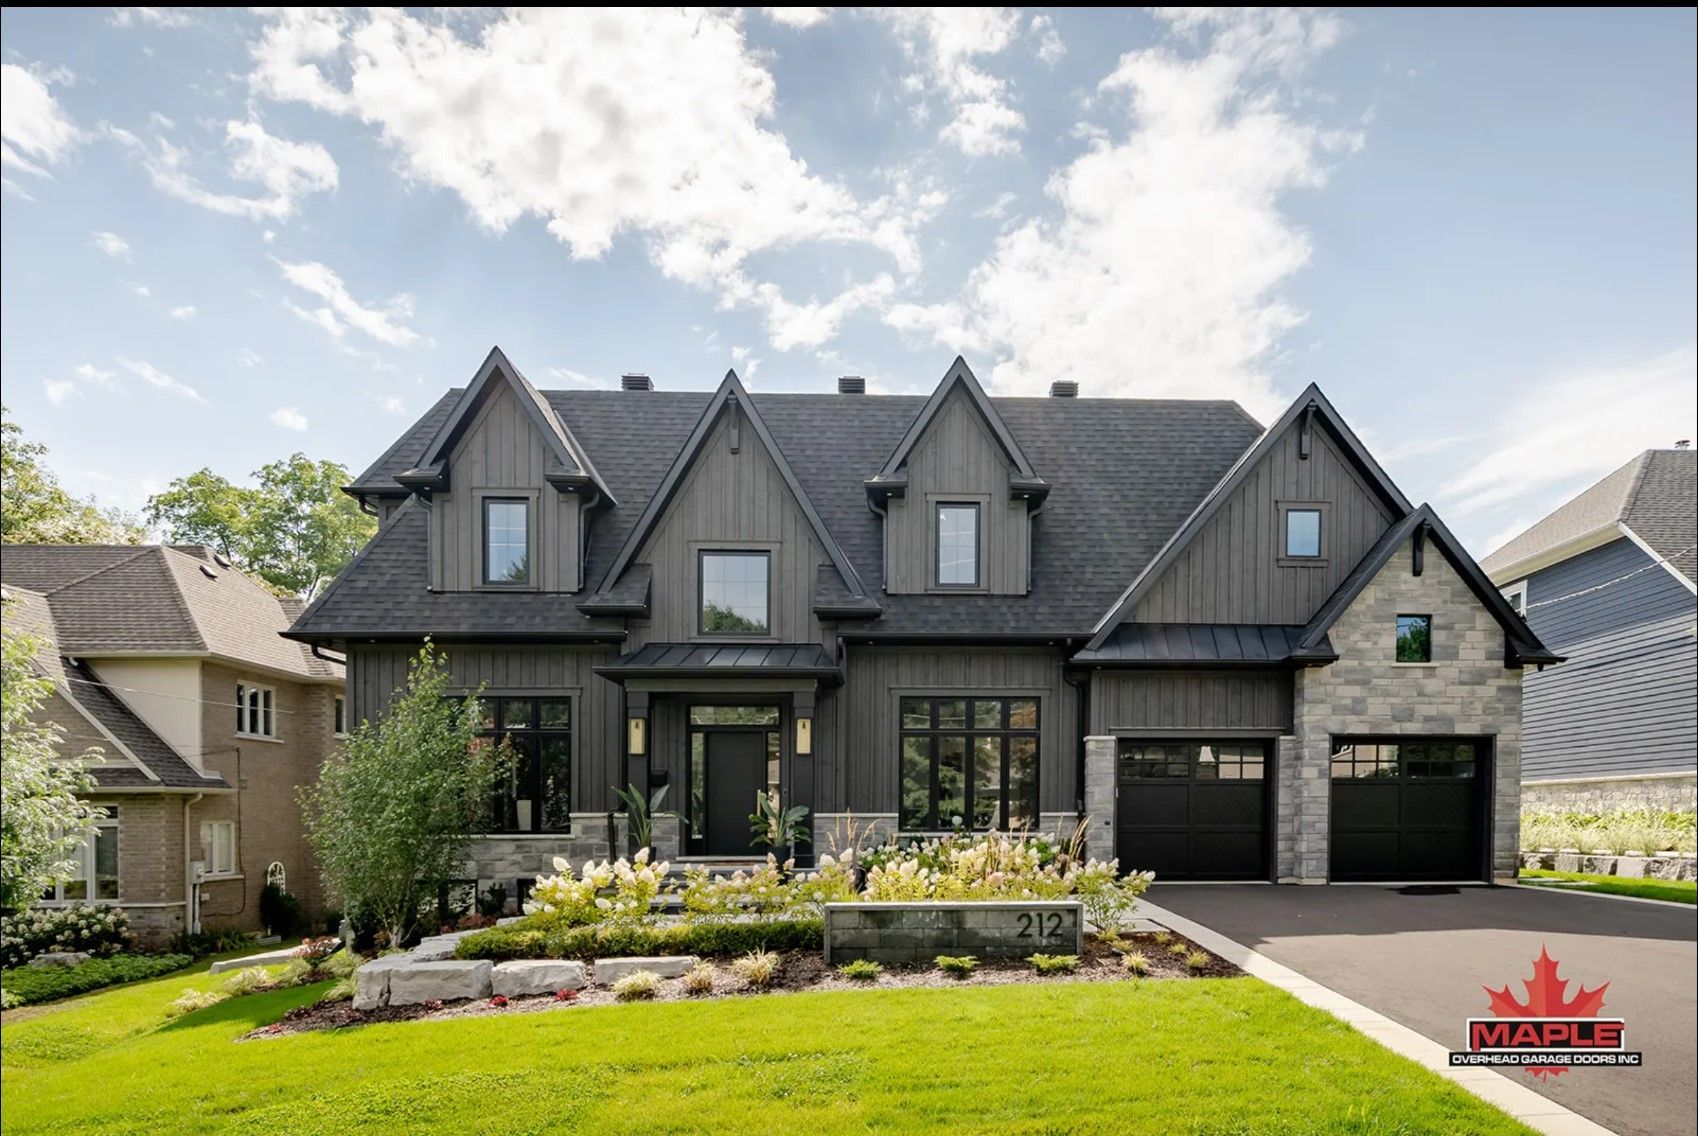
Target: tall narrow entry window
(506, 541)
(958, 546)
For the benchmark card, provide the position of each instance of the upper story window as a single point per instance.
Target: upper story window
(95, 875)
(736, 593)
(506, 540)
(537, 796)
(1303, 533)
(1516, 594)
(1414, 638)
(256, 711)
(957, 545)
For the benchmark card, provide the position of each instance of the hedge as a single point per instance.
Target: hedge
(45, 983)
(533, 939)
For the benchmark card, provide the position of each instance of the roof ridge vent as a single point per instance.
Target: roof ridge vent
(851, 384)
(635, 381)
(1064, 388)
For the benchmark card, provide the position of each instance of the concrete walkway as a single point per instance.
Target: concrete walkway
(1421, 958)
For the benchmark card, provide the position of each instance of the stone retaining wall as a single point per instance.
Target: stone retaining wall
(1675, 792)
(918, 932)
(1667, 866)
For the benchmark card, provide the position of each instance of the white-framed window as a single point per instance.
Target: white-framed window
(218, 846)
(1516, 594)
(95, 878)
(256, 710)
(339, 716)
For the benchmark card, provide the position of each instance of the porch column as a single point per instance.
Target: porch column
(1099, 796)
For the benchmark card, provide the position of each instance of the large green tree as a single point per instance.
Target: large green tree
(294, 527)
(36, 509)
(44, 817)
(393, 809)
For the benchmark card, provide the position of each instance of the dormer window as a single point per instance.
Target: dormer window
(506, 540)
(1302, 533)
(957, 545)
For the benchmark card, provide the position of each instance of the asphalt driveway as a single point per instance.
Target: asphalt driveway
(1422, 959)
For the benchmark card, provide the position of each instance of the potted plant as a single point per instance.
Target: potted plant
(639, 816)
(776, 827)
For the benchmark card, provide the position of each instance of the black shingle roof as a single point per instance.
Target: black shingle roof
(1124, 474)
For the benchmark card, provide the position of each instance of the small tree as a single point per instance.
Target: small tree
(43, 818)
(395, 806)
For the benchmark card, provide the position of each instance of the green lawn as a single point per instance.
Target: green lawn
(1674, 891)
(1184, 1056)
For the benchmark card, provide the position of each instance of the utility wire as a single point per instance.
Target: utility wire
(174, 697)
(1612, 583)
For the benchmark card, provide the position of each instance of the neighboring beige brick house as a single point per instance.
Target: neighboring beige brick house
(168, 661)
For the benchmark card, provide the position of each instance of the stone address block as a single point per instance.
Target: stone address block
(909, 932)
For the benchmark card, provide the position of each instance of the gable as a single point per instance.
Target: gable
(1234, 569)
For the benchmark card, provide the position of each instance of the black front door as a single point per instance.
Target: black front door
(735, 777)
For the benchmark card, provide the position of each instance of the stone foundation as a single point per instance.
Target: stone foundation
(1659, 793)
(154, 927)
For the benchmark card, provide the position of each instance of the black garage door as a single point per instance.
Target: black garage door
(1193, 809)
(1409, 808)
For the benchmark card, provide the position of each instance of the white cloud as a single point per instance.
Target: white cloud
(797, 17)
(1553, 438)
(1051, 49)
(153, 376)
(386, 324)
(186, 312)
(35, 131)
(653, 124)
(58, 390)
(248, 357)
(1163, 273)
(141, 290)
(154, 17)
(7, 185)
(571, 378)
(945, 45)
(288, 171)
(88, 372)
(1001, 207)
(393, 405)
(790, 325)
(112, 245)
(746, 362)
(288, 418)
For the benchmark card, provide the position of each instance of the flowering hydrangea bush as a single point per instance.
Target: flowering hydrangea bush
(38, 930)
(624, 890)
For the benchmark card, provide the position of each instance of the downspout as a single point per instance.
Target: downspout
(191, 889)
(318, 653)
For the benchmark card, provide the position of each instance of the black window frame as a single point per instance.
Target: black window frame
(527, 741)
(978, 544)
(1398, 635)
(1173, 765)
(1320, 532)
(1412, 757)
(702, 554)
(525, 504)
(970, 732)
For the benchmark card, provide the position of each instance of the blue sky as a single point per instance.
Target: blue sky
(229, 236)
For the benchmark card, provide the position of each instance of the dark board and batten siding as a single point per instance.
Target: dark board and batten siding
(502, 455)
(1124, 702)
(957, 461)
(1626, 699)
(861, 774)
(375, 673)
(731, 501)
(1234, 570)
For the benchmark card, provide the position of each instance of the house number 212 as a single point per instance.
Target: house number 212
(1041, 924)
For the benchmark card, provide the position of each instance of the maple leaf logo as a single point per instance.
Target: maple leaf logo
(1546, 998)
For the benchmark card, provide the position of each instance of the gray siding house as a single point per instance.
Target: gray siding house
(1607, 579)
(1229, 652)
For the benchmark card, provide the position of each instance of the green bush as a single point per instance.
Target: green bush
(45, 983)
(1054, 964)
(539, 938)
(83, 927)
(280, 911)
(1628, 830)
(861, 970)
(211, 943)
(956, 966)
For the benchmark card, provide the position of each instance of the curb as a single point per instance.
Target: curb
(1520, 1102)
(1556, 887)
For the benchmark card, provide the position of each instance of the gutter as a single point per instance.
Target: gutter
(191, 914)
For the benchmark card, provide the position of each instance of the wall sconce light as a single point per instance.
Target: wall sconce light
(636, 736)
(804, 736)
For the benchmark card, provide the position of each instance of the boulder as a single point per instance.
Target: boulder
(522, 978)
(60, 958)
(610, 970)
(437, 948)
(413, 982)
(371, 983)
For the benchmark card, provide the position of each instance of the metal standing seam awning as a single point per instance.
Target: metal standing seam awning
(808, 662)
(1168, 644)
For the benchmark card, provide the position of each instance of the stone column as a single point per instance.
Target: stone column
(1099, 796)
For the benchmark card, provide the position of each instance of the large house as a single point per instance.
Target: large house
(1230, 652)
(1608, 580)
(197, 722)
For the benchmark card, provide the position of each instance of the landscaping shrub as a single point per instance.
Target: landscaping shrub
(956, 966)
(9, 1000)
(212, 943)
(342, 991)
(699, 978)
(191, 1000)
(538, 937)
(32, 984)
(40, 930)
(1054, 964)
(636, 986)
(280, 911)
(1000, 865)
(1198, 959)
(861, 970)
(1135, 963)
(757, 969)
(1628, 830)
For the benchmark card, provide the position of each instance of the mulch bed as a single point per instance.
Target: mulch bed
(801, 971)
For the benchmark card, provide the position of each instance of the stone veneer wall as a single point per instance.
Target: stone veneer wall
(505, 860)
(1465, 690)
(1661, 792)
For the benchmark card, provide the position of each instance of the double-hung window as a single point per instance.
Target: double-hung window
(536, 795)
(969, 763)
(94, 879)
(957, 545)
(218, 847)
(256, 711)
(506, 540)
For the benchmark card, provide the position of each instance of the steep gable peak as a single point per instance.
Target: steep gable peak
(958, 379)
